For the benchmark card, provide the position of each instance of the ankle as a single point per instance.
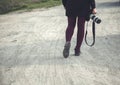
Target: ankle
(68, 44)
(77, 49)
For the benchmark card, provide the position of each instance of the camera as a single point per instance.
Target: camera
(95, 19)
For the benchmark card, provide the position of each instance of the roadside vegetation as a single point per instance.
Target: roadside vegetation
(13, 5)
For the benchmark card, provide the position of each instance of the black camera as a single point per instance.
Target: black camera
(95, 19)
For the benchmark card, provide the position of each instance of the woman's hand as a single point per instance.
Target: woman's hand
(94, 11)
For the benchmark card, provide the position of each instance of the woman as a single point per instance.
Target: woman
(76, 10)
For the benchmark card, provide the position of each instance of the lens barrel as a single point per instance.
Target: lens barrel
(95, 19)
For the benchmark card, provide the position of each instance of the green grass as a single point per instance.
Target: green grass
(46, 4)
(28, 6)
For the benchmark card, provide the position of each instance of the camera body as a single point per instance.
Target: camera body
(95, 19)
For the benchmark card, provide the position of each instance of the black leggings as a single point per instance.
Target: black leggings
(80, 30)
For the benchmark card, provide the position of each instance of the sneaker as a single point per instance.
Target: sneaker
(77, 52)
(66, 50)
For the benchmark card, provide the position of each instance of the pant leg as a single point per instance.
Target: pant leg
(70, 28)
(80, 32)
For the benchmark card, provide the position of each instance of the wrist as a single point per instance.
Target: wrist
(94, 11)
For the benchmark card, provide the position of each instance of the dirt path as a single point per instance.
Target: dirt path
(31, 45)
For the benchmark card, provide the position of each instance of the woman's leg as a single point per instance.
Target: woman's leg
(70, 28)
(80, 33)
(69, 33)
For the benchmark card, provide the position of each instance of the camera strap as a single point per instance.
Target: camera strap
(93, 32)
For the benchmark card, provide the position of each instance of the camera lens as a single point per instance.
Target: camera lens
(95, 19)
(98, 21)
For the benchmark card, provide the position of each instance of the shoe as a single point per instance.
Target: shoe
(66, 49)
(77, 52)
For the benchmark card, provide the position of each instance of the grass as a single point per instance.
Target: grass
(46, 4)
(33, 5)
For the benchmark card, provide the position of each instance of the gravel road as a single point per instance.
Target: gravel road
(31, 45)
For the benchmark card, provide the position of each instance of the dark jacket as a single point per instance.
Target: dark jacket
(79, 8)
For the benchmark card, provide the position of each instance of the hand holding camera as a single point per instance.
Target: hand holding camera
(94, 18)
(94, 11)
